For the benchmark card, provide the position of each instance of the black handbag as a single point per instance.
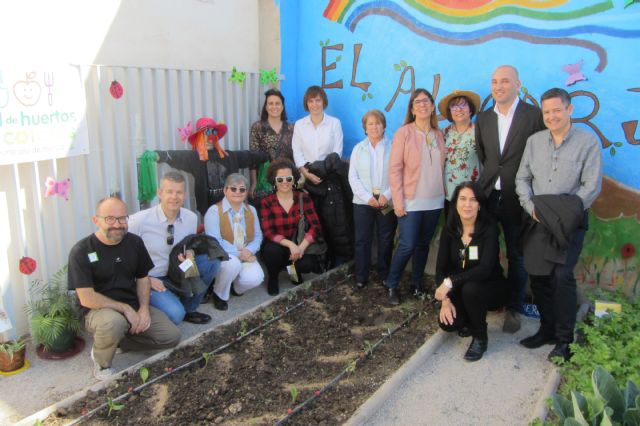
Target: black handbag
(319, 245)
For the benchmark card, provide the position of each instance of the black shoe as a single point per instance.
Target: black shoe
(464, 332)
(394, 298)
(417, 292)
(273, 290)
(561, 350)
(537, 340)
(220, 304)
(234, 293)
(360, 285)
(197, 318)
(477, 347)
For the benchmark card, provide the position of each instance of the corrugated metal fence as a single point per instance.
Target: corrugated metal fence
(155, 103)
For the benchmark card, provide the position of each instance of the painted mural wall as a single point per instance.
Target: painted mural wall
(372, 54)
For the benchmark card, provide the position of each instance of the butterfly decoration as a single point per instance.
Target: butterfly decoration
(238, 76)
(575, 75)
(267, 77)
(185, 132)
(61, 188)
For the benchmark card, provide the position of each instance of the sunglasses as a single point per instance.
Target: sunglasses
(283, 179)
(170, 234)
(235, 189)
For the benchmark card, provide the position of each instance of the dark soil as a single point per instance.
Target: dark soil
(250, 382)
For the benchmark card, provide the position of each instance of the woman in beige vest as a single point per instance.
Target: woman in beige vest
(236, 226)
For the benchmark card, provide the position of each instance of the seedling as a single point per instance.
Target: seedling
(38, 422)
(206, 356)
(294, 394)
(388, 329)
(368, 347)
(144, 374)
(268, 315)
(406, 309)
(113, 406)
(243, 328)
(291, 296)
(351, 367)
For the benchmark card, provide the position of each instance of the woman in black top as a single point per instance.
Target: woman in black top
(468, 270)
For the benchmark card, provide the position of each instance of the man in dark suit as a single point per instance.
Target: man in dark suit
(501, 135)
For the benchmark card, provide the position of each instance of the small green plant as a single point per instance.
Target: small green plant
(244, 325)
(388, 327)
(113, 406)
(12, 346)
(368, 347)
(38, 422)
(291, 296)
(351, 367)
(607, 405)
(144, 374)
(206, 356)
(294, 394)
(267, 314)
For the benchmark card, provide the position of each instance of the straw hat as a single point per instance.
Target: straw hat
(473, 97)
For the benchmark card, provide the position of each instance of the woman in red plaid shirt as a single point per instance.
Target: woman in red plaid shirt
(279, 217)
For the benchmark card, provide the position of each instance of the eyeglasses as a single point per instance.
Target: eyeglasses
(170, 234)
(424, 101)
(458, 107)
(110, 220)
(282, 179)
(235, 189)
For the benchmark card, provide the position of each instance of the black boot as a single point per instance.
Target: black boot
(394, 298)
(273, 288)
(477, 347)
(561, 350)
(539, 339)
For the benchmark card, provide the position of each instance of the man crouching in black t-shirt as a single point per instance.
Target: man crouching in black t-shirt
(109, 271)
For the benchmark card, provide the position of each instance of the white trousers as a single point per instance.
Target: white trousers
(243, 275)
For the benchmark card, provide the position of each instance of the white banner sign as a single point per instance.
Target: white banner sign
(42, 114)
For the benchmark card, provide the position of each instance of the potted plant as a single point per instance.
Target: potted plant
(55, 317)
(12, 355)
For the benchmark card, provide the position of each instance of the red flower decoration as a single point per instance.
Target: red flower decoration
(27, 265)
(627, 250)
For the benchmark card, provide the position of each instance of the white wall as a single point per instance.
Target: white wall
(138, 42)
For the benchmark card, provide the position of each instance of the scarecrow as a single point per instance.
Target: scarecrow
(208, 162)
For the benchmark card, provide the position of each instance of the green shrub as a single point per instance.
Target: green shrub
(606, 405)
(612, 342)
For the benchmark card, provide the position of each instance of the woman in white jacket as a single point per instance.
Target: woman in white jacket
(368, 177)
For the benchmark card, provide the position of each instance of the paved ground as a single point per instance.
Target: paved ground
(440, 388)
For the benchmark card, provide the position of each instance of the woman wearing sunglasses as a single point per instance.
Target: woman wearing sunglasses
(236, 226)
(470, 276)
(369, 181)
(279, 216)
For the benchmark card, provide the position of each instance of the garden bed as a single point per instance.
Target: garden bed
(332, 344)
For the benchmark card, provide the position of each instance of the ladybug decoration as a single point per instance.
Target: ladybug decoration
(116, 89)
(27, 265)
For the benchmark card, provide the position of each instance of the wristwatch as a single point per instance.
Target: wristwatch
(447, 283)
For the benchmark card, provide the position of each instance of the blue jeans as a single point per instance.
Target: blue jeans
(176, 308)
(364, 219)
(416, 232)
(516, 274)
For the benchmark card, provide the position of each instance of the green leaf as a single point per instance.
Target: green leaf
(524, 90)
(396, 67)
(370, 95)
(144, 374)
(321, 44)
(606, 420)
(612, 151)
(631, 392)
(561, 407)
(403, 63)
(618, 144)
(364, 97)
(326, 43)
(579, 408)
(606, 388)
(338, 58)
(572, 422)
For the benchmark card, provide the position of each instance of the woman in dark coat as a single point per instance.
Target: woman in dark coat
(470, 276)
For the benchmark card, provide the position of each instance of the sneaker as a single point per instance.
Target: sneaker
(99, 372)
(511, 322)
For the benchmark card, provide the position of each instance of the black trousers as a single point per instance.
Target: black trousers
(472, 300)
(555, 294)
(276, 258)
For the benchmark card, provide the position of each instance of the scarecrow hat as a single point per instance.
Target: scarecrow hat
(206, 123)
(473, 97)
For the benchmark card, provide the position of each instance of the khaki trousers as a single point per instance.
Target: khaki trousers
(110, 328)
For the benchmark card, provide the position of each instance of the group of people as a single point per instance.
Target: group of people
(527, 171)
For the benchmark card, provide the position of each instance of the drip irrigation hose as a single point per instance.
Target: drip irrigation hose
(350, 368)
(202, 358)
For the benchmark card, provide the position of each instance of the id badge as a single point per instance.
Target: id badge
(473, 252)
